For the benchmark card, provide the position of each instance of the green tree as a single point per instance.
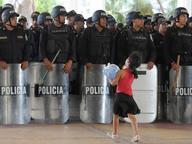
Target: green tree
(144, 6)
(1, 2)
(119, 8)
(114, 7)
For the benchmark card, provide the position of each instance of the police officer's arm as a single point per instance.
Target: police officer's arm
(26, 51)
(167, 49)
(72, 49)
(3, 63)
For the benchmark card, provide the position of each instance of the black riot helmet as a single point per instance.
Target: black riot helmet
(171, 18)
(7, 6)
(120, 26)
(131, 16)
(147, 19)
(97, 15)
(72, 13)
(179, 11)
(22, 18)
(89, 20)
(34, 15)
(43, 17)
(7, 14)
(111, 20)
(156, 17)
(79, 17)
(57, 11)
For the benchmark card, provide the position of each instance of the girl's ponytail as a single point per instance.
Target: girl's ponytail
(134, 63)
(134, 71)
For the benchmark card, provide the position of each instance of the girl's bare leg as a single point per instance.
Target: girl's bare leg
(115, 124)
(134, 124)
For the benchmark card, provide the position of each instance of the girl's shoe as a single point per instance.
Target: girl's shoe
(135, 138)
(112, 135)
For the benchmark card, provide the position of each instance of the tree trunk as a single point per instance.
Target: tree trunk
(161, 6)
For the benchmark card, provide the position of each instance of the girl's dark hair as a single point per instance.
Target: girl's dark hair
(134, 62)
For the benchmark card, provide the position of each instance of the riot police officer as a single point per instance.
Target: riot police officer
(34, 16)
(78, 30)
(111, 23)
(179, 40)
(22, 22)
(35, 34)
(2, 8)
(71, 18)
(120, 26)
(135, 38)
(171, 21)
(159, 40)
(89, 22)
(75, 75)
(163, 69)
(155, 19)
(58, 37)
(96, 42)
(147, 23)
(79, 22)
(44, 19)
(13, 41)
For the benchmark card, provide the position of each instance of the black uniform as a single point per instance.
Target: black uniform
(34, 40)
(14, 45)
(95, 46)
(74, 77)
(163, 74)
(115, 52)
(179, 42)
(140, 41)
(56, 38)
(78, 36)
(159, 41)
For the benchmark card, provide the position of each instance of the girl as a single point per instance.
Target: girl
(124, 104)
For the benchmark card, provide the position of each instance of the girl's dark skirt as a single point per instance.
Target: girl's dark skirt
(125, 104)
